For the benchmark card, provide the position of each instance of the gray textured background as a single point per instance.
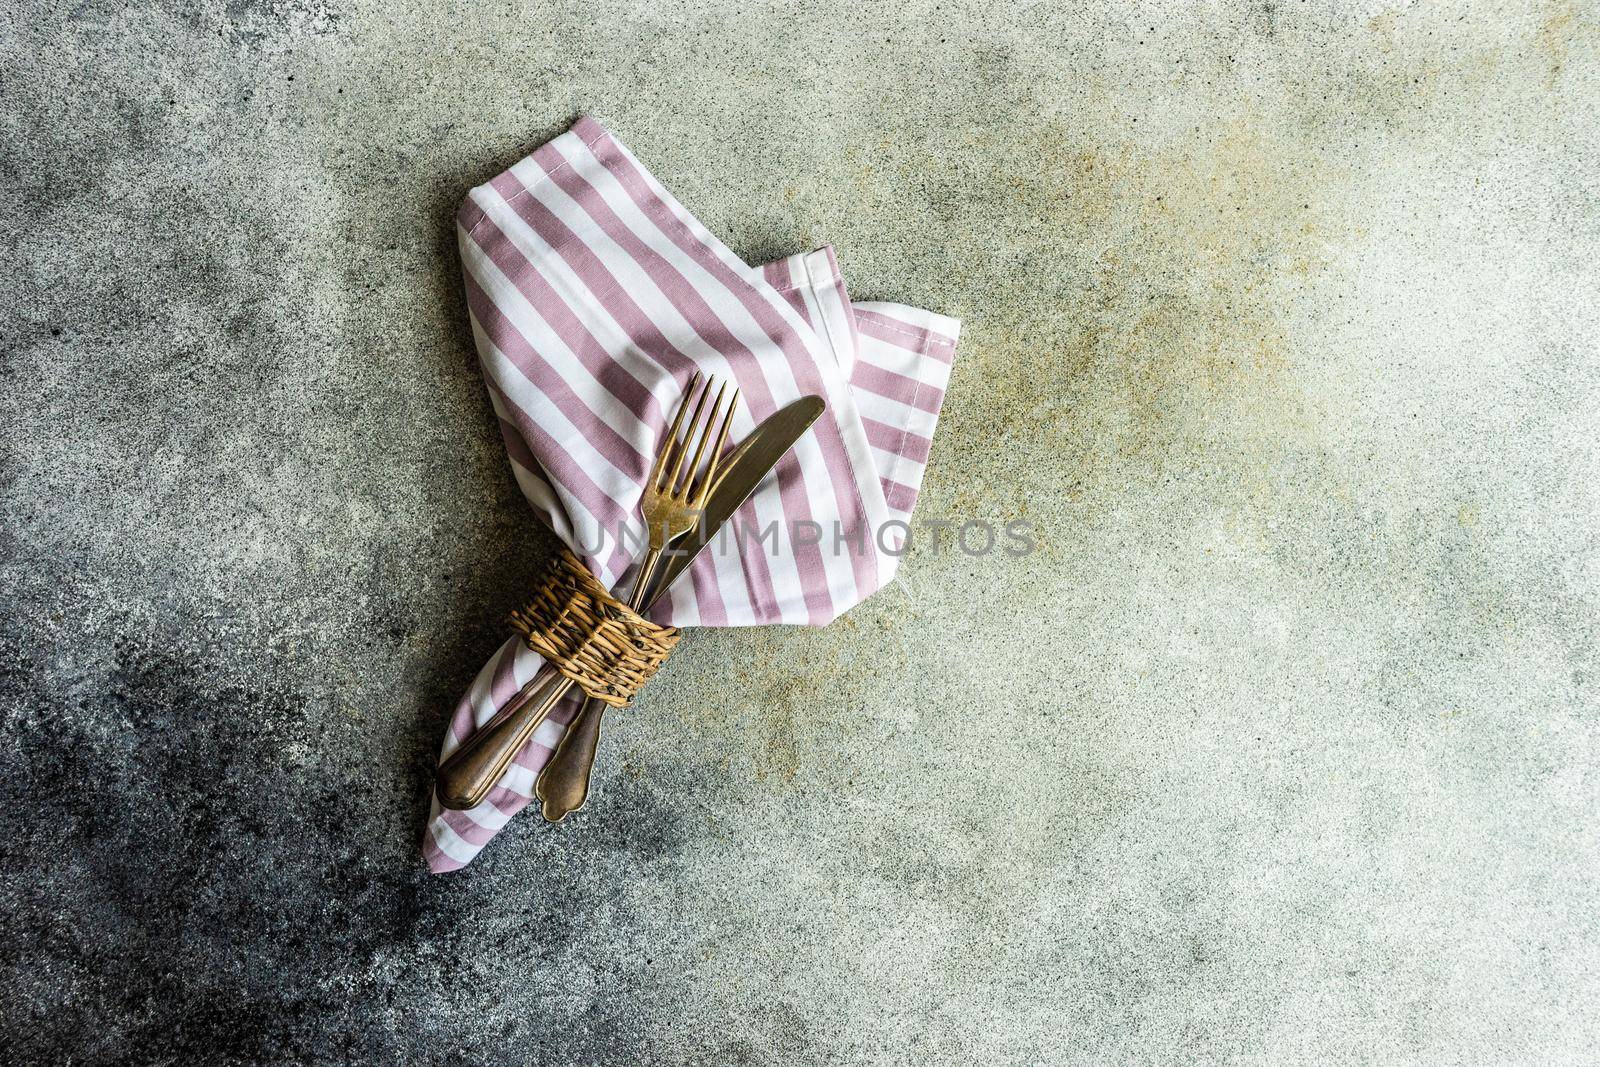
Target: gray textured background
(1281, 327)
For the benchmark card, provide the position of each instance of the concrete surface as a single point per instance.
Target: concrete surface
(1281, 327)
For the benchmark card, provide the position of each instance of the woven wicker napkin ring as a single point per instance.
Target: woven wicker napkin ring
(590, 636)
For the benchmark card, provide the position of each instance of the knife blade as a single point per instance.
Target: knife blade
(748, 466)
(563, 785)
(467, 775)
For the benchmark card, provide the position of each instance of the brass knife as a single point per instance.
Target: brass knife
(563, 784)
(467, 775)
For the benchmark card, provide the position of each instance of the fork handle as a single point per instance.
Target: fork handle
(563, 785)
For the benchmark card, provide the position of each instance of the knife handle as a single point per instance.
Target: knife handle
(467, 774)
(472, 770)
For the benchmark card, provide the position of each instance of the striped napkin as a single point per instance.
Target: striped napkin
(594, 295)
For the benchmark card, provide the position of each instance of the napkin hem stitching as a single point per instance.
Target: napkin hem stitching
(926, 337)
(905, 430)
(527, 190)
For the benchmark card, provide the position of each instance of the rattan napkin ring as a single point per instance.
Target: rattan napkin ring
(590, 636)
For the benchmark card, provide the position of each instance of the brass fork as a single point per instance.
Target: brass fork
(674, 499)
(671, 509)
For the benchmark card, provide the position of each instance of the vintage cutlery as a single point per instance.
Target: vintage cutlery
(672, 505)
(671, 509)
(563, 785)
(675, 495)
(746, 467)
(505, 734)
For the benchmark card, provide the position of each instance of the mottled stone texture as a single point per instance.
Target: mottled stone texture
(1281, 328)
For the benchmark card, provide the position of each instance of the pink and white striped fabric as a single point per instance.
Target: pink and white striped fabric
(594, 295)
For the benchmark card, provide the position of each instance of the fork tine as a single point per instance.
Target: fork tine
(705, 437)
(674, 486)
(667, 449)
(709, 479)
